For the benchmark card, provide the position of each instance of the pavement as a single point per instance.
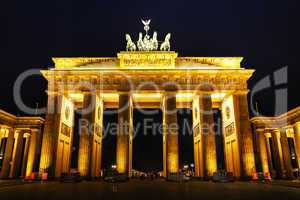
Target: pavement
(286, 183)
(144, 190)
(7, 183)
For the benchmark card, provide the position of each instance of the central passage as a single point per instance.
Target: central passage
(147, 140)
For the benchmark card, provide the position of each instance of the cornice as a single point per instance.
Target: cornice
(17, 122)
(289, 118)
(143, 58)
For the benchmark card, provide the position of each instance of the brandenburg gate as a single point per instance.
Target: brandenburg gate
(145, 77)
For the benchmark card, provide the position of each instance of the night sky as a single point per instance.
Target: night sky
(34, 31)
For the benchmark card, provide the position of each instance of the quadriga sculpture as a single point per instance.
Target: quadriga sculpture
(166, 46)
(130, 44)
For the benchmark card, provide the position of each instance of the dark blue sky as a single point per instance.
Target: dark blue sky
(34, 31)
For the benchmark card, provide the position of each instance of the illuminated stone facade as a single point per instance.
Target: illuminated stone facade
(20, 144)
(155, 79)
(278, 143)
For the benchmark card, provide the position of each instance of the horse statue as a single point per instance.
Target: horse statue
(154, 42)
(130, 44)
(166, 46)
(147, 43)
(140, 43)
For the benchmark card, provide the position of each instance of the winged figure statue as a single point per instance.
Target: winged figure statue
(146, 25)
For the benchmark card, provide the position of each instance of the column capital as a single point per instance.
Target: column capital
(53, 93)
(283, 130)
(274, 130)
(9, 128)
(37, 130)
(169, 92)
(259, 130)
(22, 130)
(296, 124)
(287, 127)
(87, 92)
(241, 92)
(128, 92)
(267, 134)
(203, 92)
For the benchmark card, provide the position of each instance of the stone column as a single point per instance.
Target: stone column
(207, 125)
(89, 158)
(230, 132)
(263, 152)
(171, 151)
(204, 136)
(33, 151)
(297, 141)
(17, 155)
(198, 138)
(25, 156)
(85, 137)
(164, 133)
(277, 152)
(97, 139)
(8, 154)
(286, 154)
(244, 135)
(269, 154)
(57, 137)
(1, 135)
(50, 136)
(124, 136)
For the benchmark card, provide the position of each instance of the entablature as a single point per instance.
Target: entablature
(147, 79)
(146, 60)
(12, 121)
(289, 118)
